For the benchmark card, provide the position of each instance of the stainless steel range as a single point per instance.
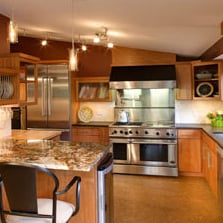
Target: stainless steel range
(143, 137)
(139, 148)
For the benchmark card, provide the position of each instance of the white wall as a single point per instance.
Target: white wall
(188, 111)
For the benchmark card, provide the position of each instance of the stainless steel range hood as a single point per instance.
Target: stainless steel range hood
(148, 76)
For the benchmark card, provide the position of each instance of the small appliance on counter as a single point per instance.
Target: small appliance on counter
(123, 116)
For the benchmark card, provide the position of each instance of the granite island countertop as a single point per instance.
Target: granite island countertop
(51, 154)
(33, 134)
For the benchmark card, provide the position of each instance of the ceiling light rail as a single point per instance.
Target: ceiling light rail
(103, 37)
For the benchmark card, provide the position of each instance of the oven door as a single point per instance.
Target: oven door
(120, 150)
(154, 152)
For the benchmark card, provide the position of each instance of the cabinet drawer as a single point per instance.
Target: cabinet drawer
(87, 131)
(90, 134)
(189, 133)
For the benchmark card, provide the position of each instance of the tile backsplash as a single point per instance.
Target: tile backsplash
(188, 111)
(103, 111)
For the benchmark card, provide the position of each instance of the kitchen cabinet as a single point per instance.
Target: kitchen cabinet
(9, 86)
(189, 152)
(26, 67)
(89, 134)
(210, 166)
(206, 80)
(93, 89)
(184, 81)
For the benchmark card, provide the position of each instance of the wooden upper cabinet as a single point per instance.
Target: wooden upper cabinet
(184, 81)
(207, 80)
(26, 67)
(9, 86)
(93, 89)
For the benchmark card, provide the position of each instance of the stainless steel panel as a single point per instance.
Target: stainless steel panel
(145, 170)
(36, 114)
(58, 96)
(52, 109)
(142, 84)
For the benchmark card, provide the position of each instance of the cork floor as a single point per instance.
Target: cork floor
(146, 199)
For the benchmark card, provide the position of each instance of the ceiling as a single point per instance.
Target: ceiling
(184, 27)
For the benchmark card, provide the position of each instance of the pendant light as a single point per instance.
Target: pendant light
(13, 32)
(73, 51)
(13, 28)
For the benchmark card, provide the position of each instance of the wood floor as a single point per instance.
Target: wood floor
(146, 199)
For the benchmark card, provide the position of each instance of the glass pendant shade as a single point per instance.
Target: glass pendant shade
(13, 32)
(73, 60)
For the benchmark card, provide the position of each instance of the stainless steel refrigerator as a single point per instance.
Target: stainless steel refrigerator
(52, 110)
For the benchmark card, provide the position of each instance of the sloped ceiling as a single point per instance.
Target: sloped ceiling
(184, 27)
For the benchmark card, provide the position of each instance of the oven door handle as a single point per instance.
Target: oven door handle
(153, 141)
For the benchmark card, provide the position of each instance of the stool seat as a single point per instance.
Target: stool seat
(45, 206)
(20, 183)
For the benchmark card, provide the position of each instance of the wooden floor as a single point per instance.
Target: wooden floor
(146, 199)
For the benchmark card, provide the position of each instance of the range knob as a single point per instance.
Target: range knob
(130, 131)
(146, 132)
(137, 132)
(167, 133)
(121, 131)
(126, 132)
(157, 133)
(114, 132)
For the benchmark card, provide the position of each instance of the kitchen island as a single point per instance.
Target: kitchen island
(65, 159)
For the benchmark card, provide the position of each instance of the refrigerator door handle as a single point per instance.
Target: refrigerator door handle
(50, 80)
(44, 96)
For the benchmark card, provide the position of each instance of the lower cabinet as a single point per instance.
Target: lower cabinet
(210, 165)
(90, 134)
(189, 152)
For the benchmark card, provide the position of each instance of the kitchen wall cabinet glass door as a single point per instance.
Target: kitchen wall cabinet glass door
(93, 89)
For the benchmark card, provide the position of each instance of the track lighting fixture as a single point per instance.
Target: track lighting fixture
(44, 42)
(103, 37)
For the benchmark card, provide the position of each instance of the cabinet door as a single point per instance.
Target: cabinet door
(9, 86)
(93, 89)
(209, 149)
(27, 80)
(184, 81)
(189, 152)
(212, 171)
(206, 78)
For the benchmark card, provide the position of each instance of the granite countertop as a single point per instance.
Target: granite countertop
(33, 134)
(51, 154)
(211, 131)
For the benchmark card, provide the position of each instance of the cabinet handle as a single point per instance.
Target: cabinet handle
(209, 160)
